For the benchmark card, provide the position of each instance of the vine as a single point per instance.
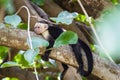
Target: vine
(29, 36)
(94, 31)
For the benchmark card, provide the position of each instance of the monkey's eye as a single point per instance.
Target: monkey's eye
(38, 27)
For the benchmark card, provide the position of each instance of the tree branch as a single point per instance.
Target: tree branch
(93, 7)
(17, 72)
(16, 38)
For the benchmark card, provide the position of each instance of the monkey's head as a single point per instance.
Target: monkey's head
(39, 28)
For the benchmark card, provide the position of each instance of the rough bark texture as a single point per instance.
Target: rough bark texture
(2, 13)
(93, 7)
(17, 72)
(102, 69)
(14, 38)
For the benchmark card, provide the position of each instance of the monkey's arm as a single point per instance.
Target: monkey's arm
(45, 57)
(53, 33)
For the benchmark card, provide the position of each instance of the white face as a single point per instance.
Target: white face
(40, 28)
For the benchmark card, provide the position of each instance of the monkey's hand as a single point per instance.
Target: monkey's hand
(45, 57)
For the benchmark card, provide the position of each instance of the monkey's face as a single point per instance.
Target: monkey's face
(40, 28)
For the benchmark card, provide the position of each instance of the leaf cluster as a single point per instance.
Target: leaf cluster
(29, 57)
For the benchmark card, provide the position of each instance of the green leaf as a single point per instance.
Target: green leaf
(10, 78)
(8, 5)
(3, 52)
(9, 64)
(14, 20)
(65, 17)
(84, 78)
(38, 42)
(39, 2)
(30, 55)
(23, 26)
(19, 58)
(65, 38)
(82, 18)
(115, 1)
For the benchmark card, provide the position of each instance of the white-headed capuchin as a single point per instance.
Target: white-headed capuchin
(51, 33)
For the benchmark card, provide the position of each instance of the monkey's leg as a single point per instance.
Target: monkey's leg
(45, 57)
(64, 71)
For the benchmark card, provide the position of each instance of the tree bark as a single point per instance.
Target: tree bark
(93, 7)
(102, 69)
(2, 13)
(18, 73)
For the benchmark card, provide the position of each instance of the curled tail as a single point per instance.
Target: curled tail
(77, 51)
(89, 57)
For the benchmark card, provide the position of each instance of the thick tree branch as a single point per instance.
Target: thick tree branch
(13, 38)
(24, 74)
(17, 72)
(9, 37)
(93, 7)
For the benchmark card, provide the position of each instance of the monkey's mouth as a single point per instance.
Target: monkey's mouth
(38, 31)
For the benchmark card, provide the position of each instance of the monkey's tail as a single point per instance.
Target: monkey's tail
(89, 57)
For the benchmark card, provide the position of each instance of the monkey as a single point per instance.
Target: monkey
(50, 33)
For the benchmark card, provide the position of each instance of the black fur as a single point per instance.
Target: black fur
(54, 33)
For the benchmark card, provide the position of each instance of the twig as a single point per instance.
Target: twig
(41, 19)
(29, 37)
